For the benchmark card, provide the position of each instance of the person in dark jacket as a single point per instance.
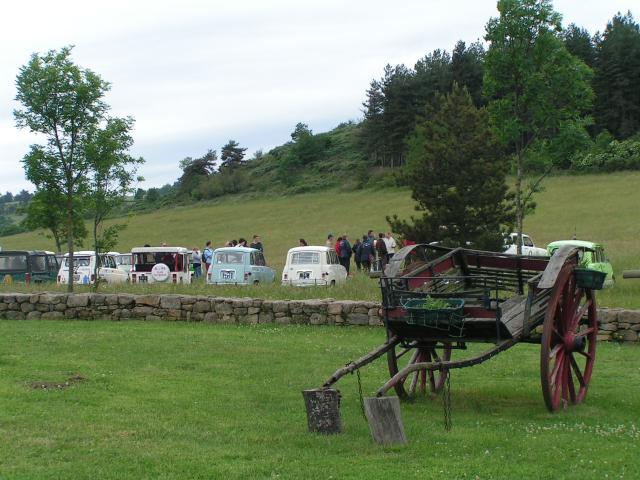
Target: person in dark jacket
(356, 253)
(381, 251)
(366, 253)
(345, 253)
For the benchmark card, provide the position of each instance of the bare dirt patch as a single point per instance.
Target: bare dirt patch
(57, 385)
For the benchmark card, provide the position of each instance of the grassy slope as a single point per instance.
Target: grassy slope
(597, 207)
(166, 400)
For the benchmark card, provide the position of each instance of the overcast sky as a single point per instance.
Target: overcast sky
(195, 74)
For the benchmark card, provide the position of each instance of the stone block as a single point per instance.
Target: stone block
(202, 306)
(141, 312)
(250, 310)
(240, 311)
(60, 307)
(34, 315)
(629, 316)
(334, 308)
(97, 299)
(34, 298)
(608, 315)
(126, 299)
(27, 307)
(626, 336)
(295, 308)
(283, 320)
(52, 298)
(317, 319)
(52, 316)
(22, 297)
(265, 317)
(148, 300)
(152, 318)
(13, 315)
(171, 302)
(299, 319)
(280, 307)
(358, 319)
(608, 327)
(111, 299)
(252, 319)
(78, 300)
(211, 317)
(224, 309)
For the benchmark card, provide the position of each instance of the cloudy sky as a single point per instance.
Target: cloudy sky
(194, 74)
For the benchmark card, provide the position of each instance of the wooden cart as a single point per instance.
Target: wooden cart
(436, 300)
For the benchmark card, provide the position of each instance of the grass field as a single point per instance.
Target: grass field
(184, 400)
(602, 208)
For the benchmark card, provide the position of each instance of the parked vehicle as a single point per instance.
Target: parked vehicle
(84, 264)
(160, 265)
(528, 248)
(29, 266)
(239, 266)
(308, 266)
(591, 255)
(123, 261)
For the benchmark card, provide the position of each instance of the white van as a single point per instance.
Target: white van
(123, 261)
(84, 263)
(160, 265)
(308, 266)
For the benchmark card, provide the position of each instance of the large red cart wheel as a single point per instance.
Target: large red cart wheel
(400, 357)
(568, 342)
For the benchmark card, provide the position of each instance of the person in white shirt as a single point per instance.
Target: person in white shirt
(390, 242)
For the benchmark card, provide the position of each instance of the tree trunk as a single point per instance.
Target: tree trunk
(519, 202)
(70, 242)
(94, 287)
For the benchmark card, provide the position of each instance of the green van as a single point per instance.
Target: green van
(592, 256)
(28, 266)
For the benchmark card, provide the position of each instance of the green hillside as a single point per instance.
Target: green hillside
(595, 207)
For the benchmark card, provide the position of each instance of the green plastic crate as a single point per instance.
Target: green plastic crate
(591, 279)
(417, 314)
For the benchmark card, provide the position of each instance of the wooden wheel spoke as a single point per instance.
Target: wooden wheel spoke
(585, 332)
(555, 350)
(572, 388)
(585, 354)
(576, 370)
(403, 353)
(579, 314)
(557, 367)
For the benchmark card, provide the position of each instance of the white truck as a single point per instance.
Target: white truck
(528, 248)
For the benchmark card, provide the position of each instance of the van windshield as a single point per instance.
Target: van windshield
(124, 260)
(305, 258)
(78, 262)
(13, 262)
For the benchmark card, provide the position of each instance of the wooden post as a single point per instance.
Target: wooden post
(385, 423)
(323, 410)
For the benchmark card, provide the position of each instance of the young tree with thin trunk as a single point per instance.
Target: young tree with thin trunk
(535, 87)
(64, 103)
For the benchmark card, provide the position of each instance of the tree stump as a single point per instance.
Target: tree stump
(385, 423)
(323, 410)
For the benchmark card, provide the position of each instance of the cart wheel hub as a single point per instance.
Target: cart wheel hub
(572, 343)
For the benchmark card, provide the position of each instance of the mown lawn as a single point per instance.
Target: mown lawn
(184, 400)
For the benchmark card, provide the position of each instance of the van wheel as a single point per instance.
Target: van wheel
(256, 282)
(333, 283)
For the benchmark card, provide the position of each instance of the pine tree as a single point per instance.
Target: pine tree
(456, 171)
(232, 155)
(617, 77)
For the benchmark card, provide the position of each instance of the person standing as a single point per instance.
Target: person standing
(329, 242)
(391, 245)
(257, 243)
(303, 243)
(345, 252)
(356, 252)
(196, 259)
(207, 256)
(381, 252)
(366, 252)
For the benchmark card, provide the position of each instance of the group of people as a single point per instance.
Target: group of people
(371, 250)
(206, 257)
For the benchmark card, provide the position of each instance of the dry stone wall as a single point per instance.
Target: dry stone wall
(615, 324)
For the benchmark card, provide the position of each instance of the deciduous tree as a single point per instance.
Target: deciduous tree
(534, 85)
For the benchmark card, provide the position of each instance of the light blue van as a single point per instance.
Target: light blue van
(239, 266)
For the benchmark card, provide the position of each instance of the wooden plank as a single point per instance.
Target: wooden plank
(323, 410)
(556, 263)
(385, 422)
